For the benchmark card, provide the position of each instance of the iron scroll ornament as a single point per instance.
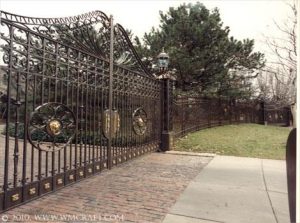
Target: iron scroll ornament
(51, 127)
(139, 121)
(90, 32)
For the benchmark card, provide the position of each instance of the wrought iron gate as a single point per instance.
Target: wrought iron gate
(75, 99)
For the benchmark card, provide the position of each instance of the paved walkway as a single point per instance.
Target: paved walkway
(235, 190)
(170, 188)
(142, 190)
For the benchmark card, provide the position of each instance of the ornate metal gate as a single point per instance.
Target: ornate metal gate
(75, 99)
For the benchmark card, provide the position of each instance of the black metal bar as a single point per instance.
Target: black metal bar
(95, 106)
(53, 168)
(32, 148)
(72, 107)
(16, 150)
(111, 67)
(81, 111)
(42, 101)
(132, 143)
(126, 127)
(140, 146)
(8, 90)
(85, 93)
(26, 115)
(55, 100)
(101, 104)
(65, 168)
(86, 109)
(123, 127)
(77, 111)
(46, 164)
(90, 114)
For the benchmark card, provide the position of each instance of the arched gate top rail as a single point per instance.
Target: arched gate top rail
(81, 29)
(48, 21)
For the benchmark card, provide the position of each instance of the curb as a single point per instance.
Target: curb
(190, 153)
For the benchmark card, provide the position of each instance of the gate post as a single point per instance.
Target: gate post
(287, 115)
(230, 110)
(262, 113)
(167, 118)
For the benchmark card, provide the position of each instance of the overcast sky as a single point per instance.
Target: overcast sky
(246, 18)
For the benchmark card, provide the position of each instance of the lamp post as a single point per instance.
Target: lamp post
(166, 99)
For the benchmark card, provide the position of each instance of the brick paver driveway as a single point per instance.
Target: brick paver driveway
(142, 190)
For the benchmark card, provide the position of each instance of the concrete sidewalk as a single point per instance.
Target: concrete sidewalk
(235, 190)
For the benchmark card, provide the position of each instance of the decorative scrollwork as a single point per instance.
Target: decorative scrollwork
(50, 21)
(51, 127)
(89, 32)
(139, 122)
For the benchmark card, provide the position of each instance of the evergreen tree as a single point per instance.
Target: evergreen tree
(206, 58)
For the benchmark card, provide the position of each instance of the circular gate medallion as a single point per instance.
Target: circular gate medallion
(51, 127)
(139, 122)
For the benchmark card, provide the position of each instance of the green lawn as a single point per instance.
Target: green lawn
(249, 140)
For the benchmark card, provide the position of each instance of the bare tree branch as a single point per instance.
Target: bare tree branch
(277, 80)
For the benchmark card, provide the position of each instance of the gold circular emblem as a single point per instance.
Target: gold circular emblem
(54, 127)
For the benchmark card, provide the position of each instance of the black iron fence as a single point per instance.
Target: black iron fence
(195, 113)
(277, 115)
